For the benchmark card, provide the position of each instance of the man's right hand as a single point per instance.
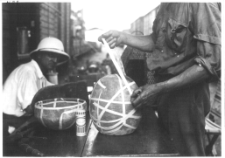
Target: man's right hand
(113, 38)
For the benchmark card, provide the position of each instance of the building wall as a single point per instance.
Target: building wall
(7, 27)
(143, 25)
(68, 27)
(40, 20)
(55, 21)
(15, 16)
(148, 22)
(48, 17)
(138, 26)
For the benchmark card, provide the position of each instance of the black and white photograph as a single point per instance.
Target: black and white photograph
(112, 78)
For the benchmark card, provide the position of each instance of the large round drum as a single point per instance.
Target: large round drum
(110, 107)
(58, 113)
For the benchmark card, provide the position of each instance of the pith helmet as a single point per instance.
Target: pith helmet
(53, 45)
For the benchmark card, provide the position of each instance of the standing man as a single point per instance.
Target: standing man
(23, 82)
(186, 48)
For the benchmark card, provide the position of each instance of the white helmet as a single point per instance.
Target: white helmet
(53, 45)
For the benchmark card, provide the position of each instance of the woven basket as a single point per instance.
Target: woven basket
(58, 113)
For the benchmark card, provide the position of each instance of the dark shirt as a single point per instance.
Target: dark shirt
(186, 34)
(134, 62)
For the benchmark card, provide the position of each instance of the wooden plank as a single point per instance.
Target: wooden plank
(6, 16)
(44, 31)
(43, 18)
(43, 35)
(50, 27)
(7, 6)
(50, 7)
(6, 34)
(51, 19)
(44, 12)
(6, 46)
(49, 13)
(46, 25)
(53, 33)
(49, 32)
(6, 25)
(68, 30)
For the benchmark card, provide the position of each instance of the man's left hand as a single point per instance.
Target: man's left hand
(145, 94)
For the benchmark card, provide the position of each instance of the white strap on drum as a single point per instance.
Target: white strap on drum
(118, 122)
(119, 70)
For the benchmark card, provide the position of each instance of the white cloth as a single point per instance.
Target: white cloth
(21, 86)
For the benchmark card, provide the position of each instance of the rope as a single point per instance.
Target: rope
(118, 122)
(116, 102)
(119, 70)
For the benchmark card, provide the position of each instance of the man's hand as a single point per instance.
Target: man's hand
(145, 95)
(16, 136)
(29, 111)
(22, 131)
(113, 38)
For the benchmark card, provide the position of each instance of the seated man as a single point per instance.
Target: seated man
(23, 82)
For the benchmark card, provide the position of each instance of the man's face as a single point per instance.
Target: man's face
(48, 60)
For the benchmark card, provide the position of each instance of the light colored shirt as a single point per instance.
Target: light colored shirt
(21, 86)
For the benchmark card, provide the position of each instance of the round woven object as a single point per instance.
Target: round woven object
(58, 113)
(110, 107)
